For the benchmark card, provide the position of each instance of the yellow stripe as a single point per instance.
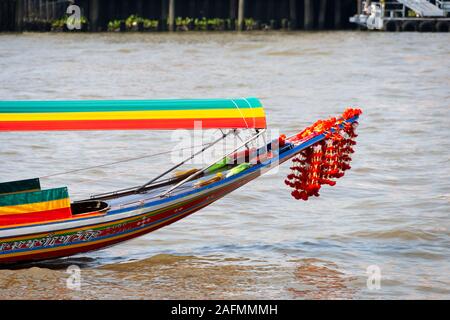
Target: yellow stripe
(130, 115)
(35, 207)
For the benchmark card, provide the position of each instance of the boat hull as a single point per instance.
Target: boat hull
(67, 242)
(127, 220)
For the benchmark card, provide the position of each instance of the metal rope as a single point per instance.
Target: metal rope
(117, 162)
(242, 115)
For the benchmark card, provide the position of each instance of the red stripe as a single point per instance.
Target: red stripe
(161, 124)
(41, 216)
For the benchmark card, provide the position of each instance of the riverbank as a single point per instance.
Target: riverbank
(17, 15)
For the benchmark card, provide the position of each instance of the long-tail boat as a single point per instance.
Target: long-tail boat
(40, 224)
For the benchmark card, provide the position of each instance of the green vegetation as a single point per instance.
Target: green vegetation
(249, 24)
(114, 25)
(151, 24)
(183, 24)
(411, 14)
(61, 24)
(199, 24)
(133, 23)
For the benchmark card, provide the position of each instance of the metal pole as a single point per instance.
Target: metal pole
(206, 168)
(171, 15)
(241, 15)
(184, 161)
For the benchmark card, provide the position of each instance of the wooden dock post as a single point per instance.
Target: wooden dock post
(162, 26)
(171, 15)
(337, 14)
(309, 15)
(140, 7)
(19, 15)
(192, 9)
(111, 10)
(272, 15)
(232, 9)
(241, 15)
(40, 10)
(94, 14)
(47, 10)
(293, 14)
(54, 10)
(322, 14)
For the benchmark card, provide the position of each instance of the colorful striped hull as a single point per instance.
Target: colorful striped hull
(41, 246)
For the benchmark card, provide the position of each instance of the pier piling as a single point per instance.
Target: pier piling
(19, 15)
(322, 14)
(293, 14)
(171, 15)
(272, 14)
(94, 14)
(241, 13)
(309, 15)
(337, 14)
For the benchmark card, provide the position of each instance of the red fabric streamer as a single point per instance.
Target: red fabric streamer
(326, 160)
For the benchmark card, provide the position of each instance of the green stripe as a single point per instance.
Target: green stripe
(124, 105)
(20, 186)
(33, 197)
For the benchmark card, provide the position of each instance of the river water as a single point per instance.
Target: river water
(390, 213)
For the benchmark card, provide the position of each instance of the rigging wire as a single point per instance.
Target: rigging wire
(121, 161)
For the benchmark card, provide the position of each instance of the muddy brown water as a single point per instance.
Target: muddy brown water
(391, 210)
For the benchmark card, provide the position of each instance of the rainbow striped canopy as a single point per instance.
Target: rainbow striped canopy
(131, 114)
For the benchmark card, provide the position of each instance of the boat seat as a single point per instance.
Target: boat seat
(90, 206)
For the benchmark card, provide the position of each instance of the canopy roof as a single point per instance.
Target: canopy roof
(131, 114)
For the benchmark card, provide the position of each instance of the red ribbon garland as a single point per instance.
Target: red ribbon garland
(325, 160)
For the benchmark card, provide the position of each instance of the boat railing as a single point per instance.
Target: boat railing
(195, 174)
(443, 5)
(143, 201)
(394, 9)
(129, 189)
(190, 177)
(224, 135)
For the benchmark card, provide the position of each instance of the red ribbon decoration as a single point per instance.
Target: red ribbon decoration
(326, 160)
